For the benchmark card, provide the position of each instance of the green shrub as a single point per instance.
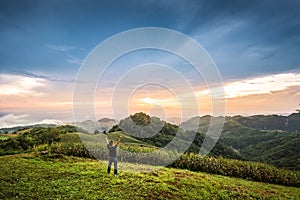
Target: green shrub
(236, 168)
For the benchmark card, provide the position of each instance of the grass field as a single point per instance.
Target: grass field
(30, 177)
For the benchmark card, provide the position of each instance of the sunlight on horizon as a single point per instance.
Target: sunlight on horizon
(255, 95)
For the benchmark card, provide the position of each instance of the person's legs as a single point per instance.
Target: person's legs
(115, 166)
(109, 165)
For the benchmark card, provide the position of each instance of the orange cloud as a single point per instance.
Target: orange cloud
(267, 94)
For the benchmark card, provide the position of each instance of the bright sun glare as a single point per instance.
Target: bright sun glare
(148, 100)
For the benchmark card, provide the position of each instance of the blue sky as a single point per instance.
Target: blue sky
(48, 40)
(243, 37)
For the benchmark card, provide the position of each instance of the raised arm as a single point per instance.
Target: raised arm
(106, 138)
(118, 141)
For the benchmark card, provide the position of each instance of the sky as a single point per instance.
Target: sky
(254, 45)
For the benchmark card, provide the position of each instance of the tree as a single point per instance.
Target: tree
(141, 119)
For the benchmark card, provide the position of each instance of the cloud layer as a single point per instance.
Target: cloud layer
(261, 85)
(37, 99)
(20, 85)
(12, 120)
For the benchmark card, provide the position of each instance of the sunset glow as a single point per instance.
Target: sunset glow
(45, 45)
(265, 94)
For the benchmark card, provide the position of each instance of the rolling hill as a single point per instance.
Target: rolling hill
(161, 133)
(258, 138)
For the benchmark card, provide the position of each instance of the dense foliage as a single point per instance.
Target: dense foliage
(276, 147)
(235, 168)
(253, 142)
(26, 140)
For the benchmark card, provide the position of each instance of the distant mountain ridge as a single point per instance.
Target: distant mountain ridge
(106, 120)
(272, 122)
(19, 128)
(261, 122)
(103, 124)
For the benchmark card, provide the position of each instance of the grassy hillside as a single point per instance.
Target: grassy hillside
(276, 147)
(159, 133)
(56, 175)
(270, 139)
(71, 145)
(30, 177)
(281, 152)
(63, 140)
(127, 140)
(246, 135)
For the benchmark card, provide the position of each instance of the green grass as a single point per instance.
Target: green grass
(130, 151)
(3, 137)
(79, 137)
(128, 143)
(227, 167)
(30, 177)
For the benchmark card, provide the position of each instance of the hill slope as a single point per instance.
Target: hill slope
(29, 177)
(159, 133)
(249, 137)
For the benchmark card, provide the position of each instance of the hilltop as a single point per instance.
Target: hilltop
(30, 177)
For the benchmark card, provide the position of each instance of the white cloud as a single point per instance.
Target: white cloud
(259, 85)
(261, 51)
(13, 120)
(22, 93)
(149, 100)
(262, 85)
(66, 49)
(48, 121)
(74, 60)
(63, 48)
(17, 84)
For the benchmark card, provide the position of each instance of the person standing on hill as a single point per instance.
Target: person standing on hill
(113, 155)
